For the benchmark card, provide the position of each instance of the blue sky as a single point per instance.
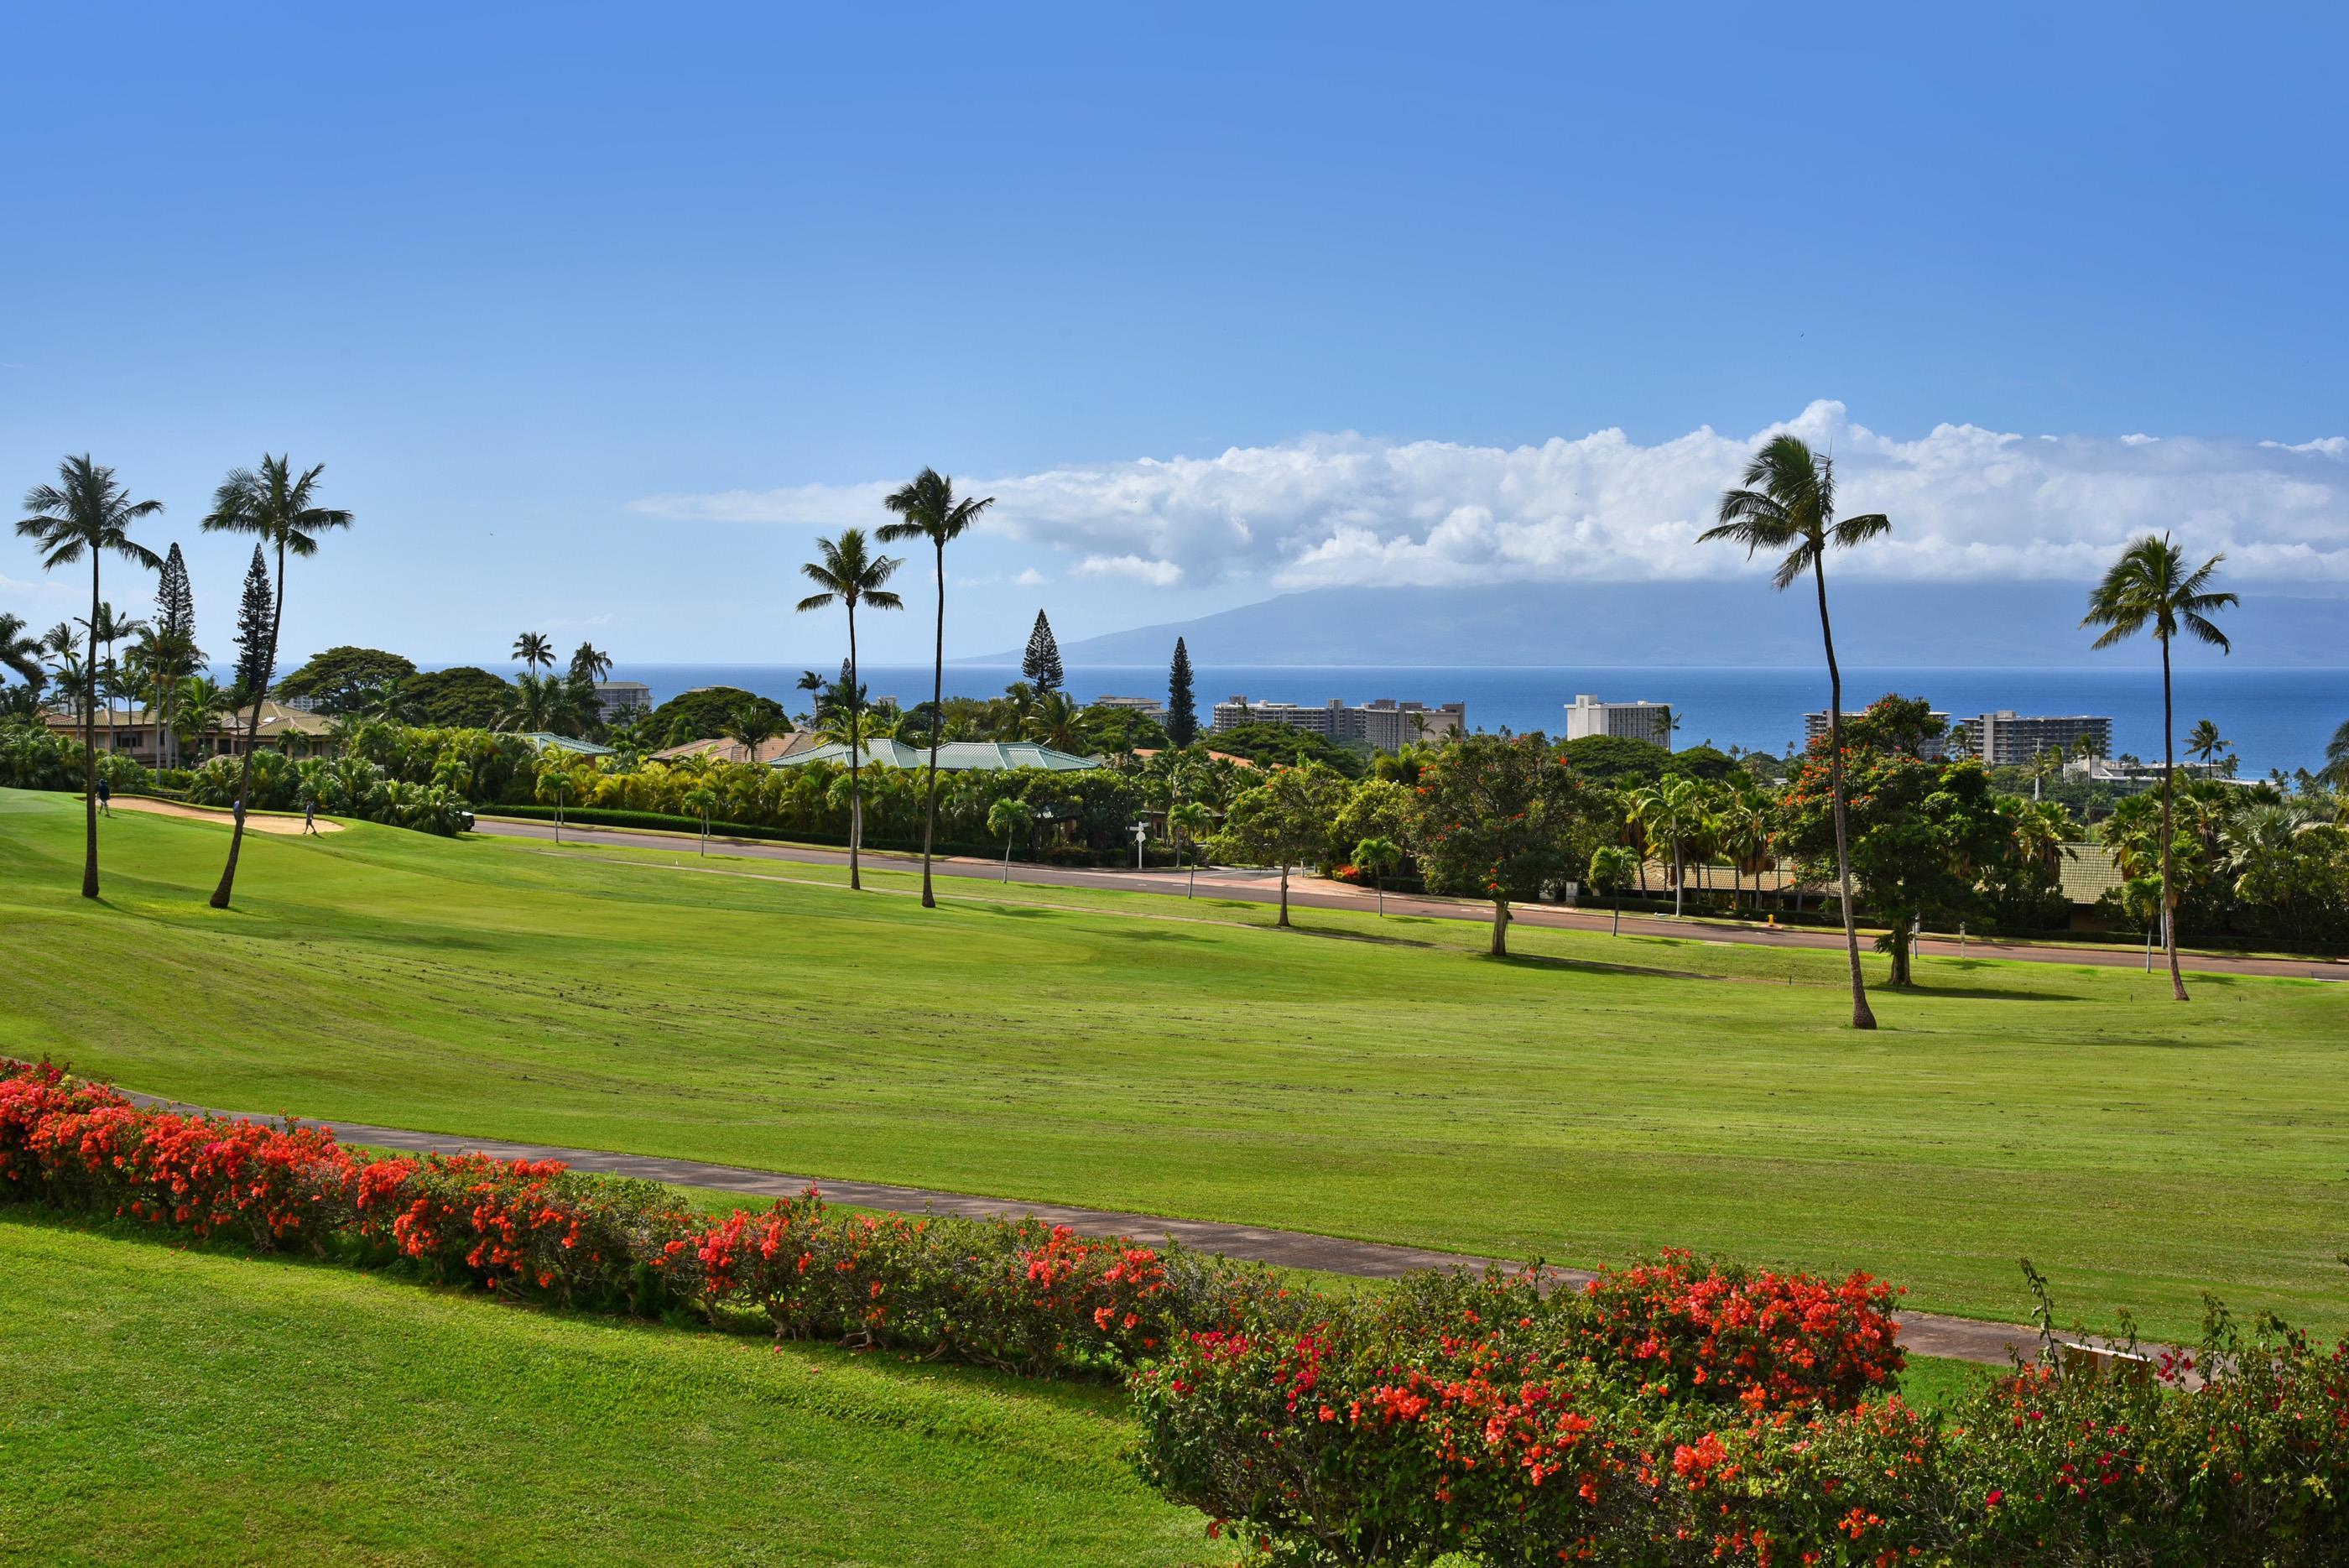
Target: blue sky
(596, 316)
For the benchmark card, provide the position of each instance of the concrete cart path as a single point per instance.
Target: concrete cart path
(1923, 1334)
(1318, 893)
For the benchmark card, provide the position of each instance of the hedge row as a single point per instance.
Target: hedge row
(1020, 1295)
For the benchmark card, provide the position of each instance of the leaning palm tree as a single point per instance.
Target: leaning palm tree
(21, 651)
(930, 511)
(87, 513)
(2150, 586)
(849, 574)
(534, 651)
(279, 508)
(1788, 502)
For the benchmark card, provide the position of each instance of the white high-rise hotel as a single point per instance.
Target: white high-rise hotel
(1586, 715)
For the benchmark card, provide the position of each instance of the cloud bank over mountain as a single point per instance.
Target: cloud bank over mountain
(1967, 504)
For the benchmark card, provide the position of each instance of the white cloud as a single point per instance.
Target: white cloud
(1966, 503)
(1030, 578)
(1157, 574)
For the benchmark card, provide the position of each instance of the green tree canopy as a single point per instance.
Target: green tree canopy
(463, 697)
(1924, 837)
(1497, 816)
(703, 715)
(1269, 743)
(346, 679)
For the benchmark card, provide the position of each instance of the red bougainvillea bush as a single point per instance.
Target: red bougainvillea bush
(1673, 1414)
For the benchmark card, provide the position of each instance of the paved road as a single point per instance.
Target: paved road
(1315, 893)
(1922, 1334)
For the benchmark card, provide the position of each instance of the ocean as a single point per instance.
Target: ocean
(2275, 718)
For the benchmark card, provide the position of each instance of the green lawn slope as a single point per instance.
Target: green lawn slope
(167, 1405)
(1591, 1098)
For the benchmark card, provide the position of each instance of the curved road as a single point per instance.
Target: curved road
(1314, 893)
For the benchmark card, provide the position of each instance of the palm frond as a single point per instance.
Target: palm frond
(815, 601)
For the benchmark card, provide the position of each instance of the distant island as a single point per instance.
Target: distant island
(1972, 625)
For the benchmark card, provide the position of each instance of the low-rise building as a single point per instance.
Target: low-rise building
(1642, 720)
(774, 748)
(135, 733)
(1150, 707)
(1386, 724)
(954, 756)
(2010, 739)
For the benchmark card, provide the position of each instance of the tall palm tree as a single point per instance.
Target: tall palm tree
(850, 575)
(279, 508)
(545, 704)
(930, 510)
(534, 651)
(1788, 502)
(2150, 587)
(2204, 740)
(21, 651)
(590, 663)
(87, 513)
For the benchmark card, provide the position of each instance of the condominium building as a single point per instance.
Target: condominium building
(1151, 708)
(1643, 721)
(614, 698)
(1387, 724)
(2008, 740)
(1935, 749)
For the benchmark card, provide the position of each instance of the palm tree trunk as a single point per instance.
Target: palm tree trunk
(252, 740)
(937, 730)
(1680, 878)
(855, 745)
(2168, 784)
(1862, 1017)
(90, 746)
(1283, 921)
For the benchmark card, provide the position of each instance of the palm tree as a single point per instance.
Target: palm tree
(21, 651)
(1191, 821)
(1788, 504)
(545, 704)
(589, 663)
(534, 651)
(849, 574)
(1055, 722)
(2149, 585)
(2204, 740)
(930, 511)
(2336, 758)
(699, 800)
(1672, 809)
(1008, 816)
(197, 702)
(1611, 873)
(108, 626)
(1378, 856)
(87, 513)
(279, 508)
(748, 727)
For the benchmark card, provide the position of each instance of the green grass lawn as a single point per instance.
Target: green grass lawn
(1591, 1098)
(167, 1405)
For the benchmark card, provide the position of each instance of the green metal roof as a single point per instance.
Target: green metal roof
(546, 742)
(955, 756)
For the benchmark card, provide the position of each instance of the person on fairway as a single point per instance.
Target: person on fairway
(309, 814)
(105, 799)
